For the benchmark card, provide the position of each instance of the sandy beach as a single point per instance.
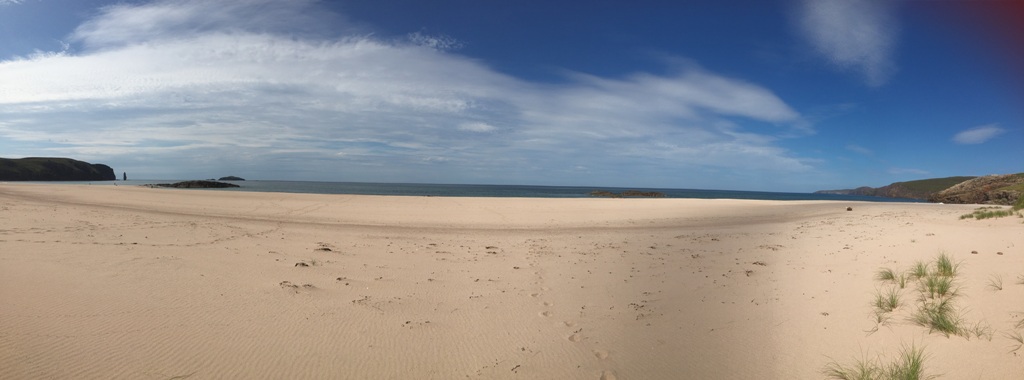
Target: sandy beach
(118, 282)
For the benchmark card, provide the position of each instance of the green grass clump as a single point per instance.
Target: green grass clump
(939, 315)
(996, 212)
(887, 301)
(937, 288)
(886, 274)
(909, 365)
(919, 270)
(861, 370)
(933, 287)
(944, 266)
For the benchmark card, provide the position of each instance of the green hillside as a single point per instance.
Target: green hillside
(53, 169)
(931, 185)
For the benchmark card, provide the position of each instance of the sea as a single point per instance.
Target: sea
(500, 191)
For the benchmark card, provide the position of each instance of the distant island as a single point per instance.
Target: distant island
(53, 169)
(1003, 189)
(231, 178)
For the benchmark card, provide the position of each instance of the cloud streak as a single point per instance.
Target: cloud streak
(855, 35)
(978, 135)
(171, 86)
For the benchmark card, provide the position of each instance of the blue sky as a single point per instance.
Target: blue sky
(746, 95)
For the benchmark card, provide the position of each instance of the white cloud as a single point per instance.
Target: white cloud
(979, 134)
(858, 35)
(171, 86)
(126, 24)
(477, 127)
(859, 149)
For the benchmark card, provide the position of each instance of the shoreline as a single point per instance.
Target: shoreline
(126, 282)
(495, 191)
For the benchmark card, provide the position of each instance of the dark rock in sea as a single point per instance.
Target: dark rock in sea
(53, 169)
(627, 193)
(195, 185)
(231, 178)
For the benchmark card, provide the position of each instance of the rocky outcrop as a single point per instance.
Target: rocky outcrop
(201, 184)
(1004, 189)
(53, 169)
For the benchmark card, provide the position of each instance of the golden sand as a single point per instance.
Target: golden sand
(138, 283)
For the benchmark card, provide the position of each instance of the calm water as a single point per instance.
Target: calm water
(413, 189)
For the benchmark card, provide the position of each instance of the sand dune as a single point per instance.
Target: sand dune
(139, 283)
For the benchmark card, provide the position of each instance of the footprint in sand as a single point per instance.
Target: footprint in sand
(608, 375)
(569, 323)
(575, 338)
(534, 294)
(547, 303)
(601, 354)
(545, 313)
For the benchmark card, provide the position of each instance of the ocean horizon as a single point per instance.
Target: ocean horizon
(498, 191)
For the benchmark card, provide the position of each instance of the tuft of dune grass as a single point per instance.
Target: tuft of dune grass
(995, 282)
(887, 301)
(908, 365)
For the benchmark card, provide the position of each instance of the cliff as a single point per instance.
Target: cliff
(1003, 189)
(53, 169)
(919, 189)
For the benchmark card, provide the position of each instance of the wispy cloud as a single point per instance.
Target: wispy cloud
(440, 41)
(10, 2)
(477, 127)
(857, 35)
(979, 134)
(172, 87)
(859, 149)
